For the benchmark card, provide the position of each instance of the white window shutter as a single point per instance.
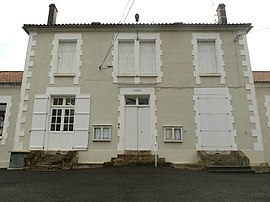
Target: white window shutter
(82, 112)
(207, 57)
(67, 57)
(126, 63)
(38, 122)
(147, 57)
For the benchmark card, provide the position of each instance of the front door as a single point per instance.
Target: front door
(137, 123)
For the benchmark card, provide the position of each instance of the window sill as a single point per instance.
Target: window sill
(210, 75)
(137, 75)
(173, 141)
(101, 140)
(64, 74)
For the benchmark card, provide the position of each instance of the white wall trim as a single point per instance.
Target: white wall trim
(267, 107)
(6, 100)
(121, 109)
(220, 61)
(19, 132)
(251, 95)
(62, 90)
(54, 53)
(133, 37)
(212, 91)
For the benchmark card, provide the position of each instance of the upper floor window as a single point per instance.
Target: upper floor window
(2, 117)
(137, 56)
(142, 60)
(207, 57)
(66, 57)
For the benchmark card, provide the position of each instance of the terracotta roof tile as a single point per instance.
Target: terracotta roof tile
(261, 76)
(11, 78)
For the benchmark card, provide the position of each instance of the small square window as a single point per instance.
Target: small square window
(102, 133)
(173, 134)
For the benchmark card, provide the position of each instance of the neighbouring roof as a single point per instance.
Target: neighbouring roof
(141, 26)
(261, 76)
(11, 78)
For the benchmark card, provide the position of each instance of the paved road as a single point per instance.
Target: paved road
(132, 184)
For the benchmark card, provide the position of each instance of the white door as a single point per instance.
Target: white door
(137, 124)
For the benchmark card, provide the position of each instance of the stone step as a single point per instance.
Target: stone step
(223, 158)
(50, 160)
(230, 169)
(136, 158)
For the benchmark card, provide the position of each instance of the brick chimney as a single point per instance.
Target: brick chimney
(52, 15)
(221, 13)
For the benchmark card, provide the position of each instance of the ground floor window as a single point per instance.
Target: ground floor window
(2, 117)
(62, 114)
(102, 133)
(173, 134)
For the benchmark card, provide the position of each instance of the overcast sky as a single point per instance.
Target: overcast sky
(15, 13)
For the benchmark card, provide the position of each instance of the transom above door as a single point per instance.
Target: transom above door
(135, 100)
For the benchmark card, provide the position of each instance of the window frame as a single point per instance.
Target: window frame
(205, 37)
(72, 37)
(137, 39)
(101, 127)
(4, 120)
(173, 128)
(63, 108)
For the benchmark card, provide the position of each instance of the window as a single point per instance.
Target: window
(137, 100)
(102, 133)
(136, 57)
(207, 57)
(62, 114)
(67, 57)
(2, 117)
(126, 57)
(147, 57)
(173, 134)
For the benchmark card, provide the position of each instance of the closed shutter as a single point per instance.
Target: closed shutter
(215, 124)
(67, 57)
(82, 112)
(147, 57)
(126, 57)
(207, 57)
(38, 122)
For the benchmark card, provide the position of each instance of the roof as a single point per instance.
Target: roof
(141, 26)
(11, 78)
(261, 76)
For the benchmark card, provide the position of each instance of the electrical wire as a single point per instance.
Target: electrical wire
(115, 37)
(259, 30)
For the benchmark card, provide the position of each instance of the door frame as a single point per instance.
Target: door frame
(131, 90)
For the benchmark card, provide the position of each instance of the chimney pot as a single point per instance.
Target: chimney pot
(52, 14)
(221, 13)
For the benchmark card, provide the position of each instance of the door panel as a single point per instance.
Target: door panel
(144, 136)
(137, 128)
(131, 128)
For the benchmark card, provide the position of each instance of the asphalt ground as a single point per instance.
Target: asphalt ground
(132, 184)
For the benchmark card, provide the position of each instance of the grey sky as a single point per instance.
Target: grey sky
(15, 13)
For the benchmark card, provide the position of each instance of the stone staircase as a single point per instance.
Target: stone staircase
(136, 158)
(42, 160)
(224, 161)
